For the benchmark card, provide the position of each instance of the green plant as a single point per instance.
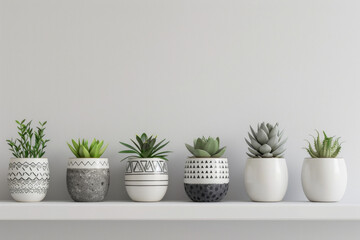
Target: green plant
(266, 142)
(81, 149)
(30, 144)
(146, 147)
(327, 148)
(206, 147)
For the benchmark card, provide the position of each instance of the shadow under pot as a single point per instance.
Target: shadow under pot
(266, 179)
(146, 179)
(28, 179)
(88, 179)
(206, 179)
(324, 179)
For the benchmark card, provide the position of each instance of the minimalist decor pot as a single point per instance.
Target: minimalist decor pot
(206, 179)
(324, 179)
(146, 179)
(88, 179)
(28, 179)
(266, 179)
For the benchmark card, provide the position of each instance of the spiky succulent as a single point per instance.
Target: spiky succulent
(266, 142)
(206, 148)
(327, 148)
(146, 147)
(81, 149)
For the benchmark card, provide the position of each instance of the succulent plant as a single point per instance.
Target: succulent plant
(206, 148)
(327, 148)
(81, 149)
(266, 142)
(146, 147)
(30, 144)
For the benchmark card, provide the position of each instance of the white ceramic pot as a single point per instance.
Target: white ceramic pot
(28, 179)
(324, 179)
(206, 179)
(146, 179)
(266, 179)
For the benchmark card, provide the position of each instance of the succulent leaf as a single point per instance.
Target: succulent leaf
(219, 153)
(211, 146)
(265, 149)
(262, 137)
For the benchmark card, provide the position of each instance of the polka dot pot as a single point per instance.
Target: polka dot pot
(206, 179)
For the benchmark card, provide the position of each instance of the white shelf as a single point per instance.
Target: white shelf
(178, 211)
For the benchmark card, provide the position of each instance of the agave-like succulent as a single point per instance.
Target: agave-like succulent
(266, 142)
(327, 148)
(146, 148)
(206, 147)
(81, 149)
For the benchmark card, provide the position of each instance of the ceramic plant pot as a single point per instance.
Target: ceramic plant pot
(28, 179)
(146, 179)
(88, 179)
(266, 179)
(206, 179)
(324, 179)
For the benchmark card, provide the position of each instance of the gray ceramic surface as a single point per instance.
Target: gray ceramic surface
(88, 185)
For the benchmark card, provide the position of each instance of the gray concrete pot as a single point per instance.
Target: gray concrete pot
(88, 179)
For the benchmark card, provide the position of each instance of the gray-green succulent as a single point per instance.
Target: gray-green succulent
(266, 142)
(206, 148)
(327, 148)
(81, 149)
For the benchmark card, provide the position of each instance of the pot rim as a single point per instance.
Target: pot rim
(74, 158)
(146, 159)
(14, 158)
(266, 159)
(206, 158)
(324, 158)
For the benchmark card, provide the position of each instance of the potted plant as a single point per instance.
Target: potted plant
(88, 175)
(206, 172)
(324, 176)
(146, 174)
(266, 174)
(28, 175)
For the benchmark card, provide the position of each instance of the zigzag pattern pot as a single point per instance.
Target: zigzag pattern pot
(146, 179)
(88, 179)
(206, 179)
(28, 179)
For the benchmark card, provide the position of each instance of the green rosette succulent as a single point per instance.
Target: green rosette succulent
(206, 148)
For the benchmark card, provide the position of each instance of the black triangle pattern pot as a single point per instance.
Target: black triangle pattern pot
(206, 179)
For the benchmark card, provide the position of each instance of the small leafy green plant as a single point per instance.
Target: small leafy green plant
(146, 147)
(206, 147)
(30, 143)
(81, 149)
(329, 147)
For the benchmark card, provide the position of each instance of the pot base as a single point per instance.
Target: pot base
(206, 192)
(146, 193)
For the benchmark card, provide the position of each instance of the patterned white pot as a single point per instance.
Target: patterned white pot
(28, 179)
(88, 179)
(266, 179)
(146, 179)
(324, 179)
(206, 179)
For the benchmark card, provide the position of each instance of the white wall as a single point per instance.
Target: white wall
(180, 69)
